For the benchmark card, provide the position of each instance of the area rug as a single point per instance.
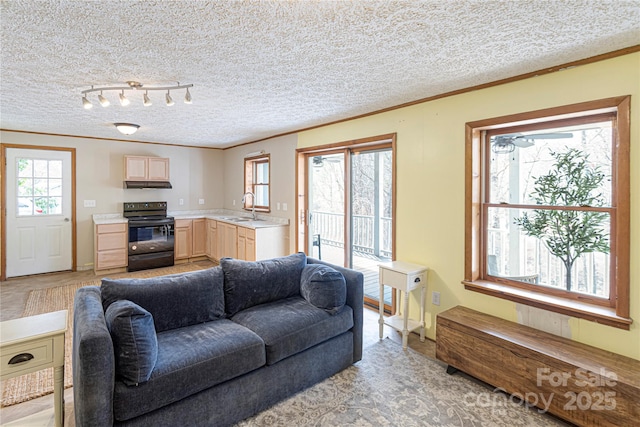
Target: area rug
(26, 387)
(392, 387)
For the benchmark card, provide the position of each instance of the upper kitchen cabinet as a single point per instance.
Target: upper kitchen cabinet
(142, 168)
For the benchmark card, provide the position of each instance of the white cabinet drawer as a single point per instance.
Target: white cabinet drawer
(41, 350)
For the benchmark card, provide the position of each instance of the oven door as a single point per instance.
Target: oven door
(146, 237)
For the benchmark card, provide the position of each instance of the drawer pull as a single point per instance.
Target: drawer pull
(20, 358)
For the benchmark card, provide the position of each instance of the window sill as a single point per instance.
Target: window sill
(594, 313)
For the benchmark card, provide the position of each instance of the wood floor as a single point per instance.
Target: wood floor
(14, 293)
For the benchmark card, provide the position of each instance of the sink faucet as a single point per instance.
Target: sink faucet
(253, 203)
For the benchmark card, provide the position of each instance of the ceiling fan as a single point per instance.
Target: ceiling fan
(318, 161)
(502, 144)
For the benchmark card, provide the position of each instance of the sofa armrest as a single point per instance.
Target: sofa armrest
(93, 361)
(355, 299)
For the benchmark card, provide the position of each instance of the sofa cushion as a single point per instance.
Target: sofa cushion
(134, 341)
(249, 283)
(292, 325)
(191, 359)
(323, 287)
(174, 301)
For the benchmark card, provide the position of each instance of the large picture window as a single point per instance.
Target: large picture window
(551, 196)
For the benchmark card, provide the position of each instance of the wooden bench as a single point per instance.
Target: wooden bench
(579, 383)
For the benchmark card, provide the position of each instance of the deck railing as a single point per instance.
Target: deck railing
(330, 227)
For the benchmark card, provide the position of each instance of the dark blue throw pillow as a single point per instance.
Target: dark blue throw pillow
(323, 287)
(249, 283)
(134, 341)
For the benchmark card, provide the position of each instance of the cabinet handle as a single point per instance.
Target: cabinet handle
(20, 358)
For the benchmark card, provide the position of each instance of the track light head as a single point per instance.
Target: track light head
(146, 100)
(86, 103)
(187, 97)
(169, 100)
(124, 101)
(103, 101)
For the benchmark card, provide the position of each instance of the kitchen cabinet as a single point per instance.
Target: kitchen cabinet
(110, 246)
(183, 239)
(227, 240)
(246, 244)
(142, 168)
(212, 238)
(199, 237)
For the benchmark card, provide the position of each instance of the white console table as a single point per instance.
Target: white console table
(29, 344)
(405, 278)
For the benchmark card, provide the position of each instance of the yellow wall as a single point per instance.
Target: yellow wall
(430, 179)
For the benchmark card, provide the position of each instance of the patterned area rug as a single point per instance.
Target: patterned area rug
(392, 387)
(40, 383)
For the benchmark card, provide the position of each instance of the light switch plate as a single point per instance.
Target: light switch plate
(201, 201)
(435, 298)
(89, 203)
(284, 206)
(181, 202)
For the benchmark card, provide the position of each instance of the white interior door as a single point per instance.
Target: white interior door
(38, 211)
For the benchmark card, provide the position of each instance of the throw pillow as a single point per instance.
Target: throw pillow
(174, 301)
(134, 341)
(249, 283)
(323, 287)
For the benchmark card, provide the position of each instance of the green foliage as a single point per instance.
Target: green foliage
(568, 233)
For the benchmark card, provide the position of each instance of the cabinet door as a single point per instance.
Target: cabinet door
(212, 239)
(242, 239)
(250, 245)
(182, 241)
(199, 237)
(227, 241)
(158, 169)
(135, 168)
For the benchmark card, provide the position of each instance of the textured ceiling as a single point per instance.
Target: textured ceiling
(263, 68)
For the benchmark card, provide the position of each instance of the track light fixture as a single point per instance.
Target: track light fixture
(133, 86)
(103, 101)
(169, 100)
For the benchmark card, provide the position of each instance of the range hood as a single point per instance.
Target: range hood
(147, 184)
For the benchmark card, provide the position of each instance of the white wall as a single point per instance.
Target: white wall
(195, 173)
(282, 165)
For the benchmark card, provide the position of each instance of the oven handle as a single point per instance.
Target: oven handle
(150, 223)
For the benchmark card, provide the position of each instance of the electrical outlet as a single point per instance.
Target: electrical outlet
(278, 206)
(284, 206)
(201, 201)
(234, 203)
(435, 298)
(181, 202)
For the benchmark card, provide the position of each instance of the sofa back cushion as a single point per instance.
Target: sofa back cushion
(174, 301)
(134, 341)
(323, 287)
(249, 283)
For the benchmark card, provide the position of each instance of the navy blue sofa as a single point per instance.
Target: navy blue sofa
(211, 347)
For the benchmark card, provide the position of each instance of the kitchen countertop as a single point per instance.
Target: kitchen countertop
(265, 221)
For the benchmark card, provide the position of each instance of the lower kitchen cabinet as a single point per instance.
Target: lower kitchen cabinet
(110, 246)
(212, 239)
(227, 240)
(183, 239)
(199, 237)
(190, 238)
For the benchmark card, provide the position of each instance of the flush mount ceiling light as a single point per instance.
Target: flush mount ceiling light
(126, 128)
(133, 87)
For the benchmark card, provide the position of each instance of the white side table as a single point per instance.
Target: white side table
(404, 277)
(29, 344)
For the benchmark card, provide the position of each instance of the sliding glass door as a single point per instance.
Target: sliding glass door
(349, 210)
